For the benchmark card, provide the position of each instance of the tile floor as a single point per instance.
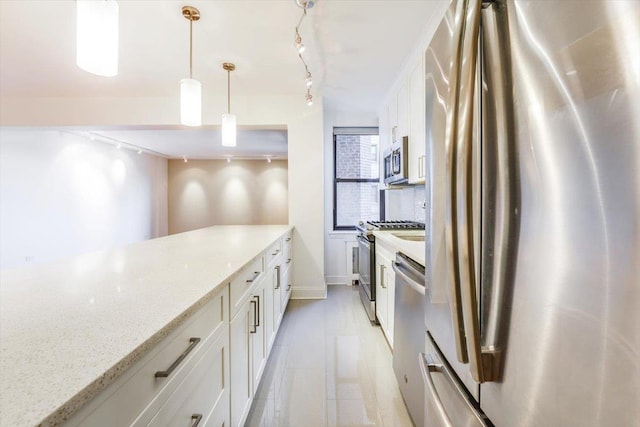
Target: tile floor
(329, 367)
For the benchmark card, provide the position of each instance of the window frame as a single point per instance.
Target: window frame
(371, 130)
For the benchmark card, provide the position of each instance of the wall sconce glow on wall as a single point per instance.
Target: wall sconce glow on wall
(190, 89)
(228, 120)
(97, 36)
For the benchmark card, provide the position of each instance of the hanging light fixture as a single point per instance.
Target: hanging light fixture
(309, 98)
(228, 120)
(190, 89)
(97, 36)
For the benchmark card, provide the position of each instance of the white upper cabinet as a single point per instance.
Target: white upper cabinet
(416, 154)
(403, 110)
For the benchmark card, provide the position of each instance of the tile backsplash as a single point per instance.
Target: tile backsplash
(406, 203)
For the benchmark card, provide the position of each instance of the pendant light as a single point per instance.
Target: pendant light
(190, 89)
(228, 120)
(97, 36)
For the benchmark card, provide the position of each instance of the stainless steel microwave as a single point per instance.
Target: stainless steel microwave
(396, 165)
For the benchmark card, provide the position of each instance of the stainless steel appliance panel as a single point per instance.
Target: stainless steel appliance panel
(366, 275)
(443, 313)
(408, 333)
(571, 348)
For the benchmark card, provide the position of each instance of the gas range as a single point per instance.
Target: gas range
(366, 228)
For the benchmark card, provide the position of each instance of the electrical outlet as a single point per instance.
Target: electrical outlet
(29, 258)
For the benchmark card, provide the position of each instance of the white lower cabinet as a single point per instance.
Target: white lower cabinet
(203, 397)
(207, 371)
(240, 364)
(385, 289)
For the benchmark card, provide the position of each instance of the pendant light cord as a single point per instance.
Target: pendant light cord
(228, 91)
(190, 48)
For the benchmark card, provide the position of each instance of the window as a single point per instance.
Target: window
(356, 196)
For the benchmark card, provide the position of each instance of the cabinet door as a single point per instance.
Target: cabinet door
(390, 283)
(392, 109)
(381, 294)
(269, 326)
(384, 140)
(403, 110)
(417, 123)
(240, 363)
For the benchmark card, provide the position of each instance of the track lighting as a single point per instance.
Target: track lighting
(304, 4)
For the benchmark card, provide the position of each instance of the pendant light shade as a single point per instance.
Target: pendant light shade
(190, 89)
(229, 130)
(229, 120)
(97, 36)
(190, 102)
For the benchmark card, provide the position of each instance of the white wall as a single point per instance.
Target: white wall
(305, 138)
(337, 244)
(62, 195)
(203, 193)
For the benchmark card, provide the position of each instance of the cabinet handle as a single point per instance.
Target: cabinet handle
(277, 277)
(276, 252)
(256, 274)
(288, 260)
(382, 267)
(288, 239)
(288, 287)
(197, 418)
(254, 326)
(164, 374)
(257, 297)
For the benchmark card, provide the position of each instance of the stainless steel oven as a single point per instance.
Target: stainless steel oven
(367, 258)
(367, 274)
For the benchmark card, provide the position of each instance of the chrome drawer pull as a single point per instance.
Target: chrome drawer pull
(276, 252)
(256, 274)
(198, 418)
(288, 260)
(277, 267)
(288, 239)
(255, 316)
(164, 374)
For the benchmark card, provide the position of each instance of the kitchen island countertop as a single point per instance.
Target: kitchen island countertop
(69, 328)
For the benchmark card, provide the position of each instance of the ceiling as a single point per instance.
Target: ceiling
(355, 49)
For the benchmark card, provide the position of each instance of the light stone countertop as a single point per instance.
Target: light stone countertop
(412, 249)
(69, 328)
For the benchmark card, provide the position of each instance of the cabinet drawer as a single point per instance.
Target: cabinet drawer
(241, 284)
(273, 252)
(126, 399)
(203, 394)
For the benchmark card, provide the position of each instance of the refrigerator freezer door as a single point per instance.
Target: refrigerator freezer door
(571, 341)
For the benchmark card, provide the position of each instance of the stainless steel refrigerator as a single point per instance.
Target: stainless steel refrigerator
(533, 228)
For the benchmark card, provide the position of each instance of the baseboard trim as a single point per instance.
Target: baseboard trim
(309, 293)
(336, 280)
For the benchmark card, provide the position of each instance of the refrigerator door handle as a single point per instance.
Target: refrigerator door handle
(480, 364)
(451, 229)
(429, 363)
(426, 368)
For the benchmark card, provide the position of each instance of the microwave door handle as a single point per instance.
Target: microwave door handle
(455, 299)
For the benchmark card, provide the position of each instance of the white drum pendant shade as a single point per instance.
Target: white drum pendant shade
(190, 102)
(97, 36)
(229, 130)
